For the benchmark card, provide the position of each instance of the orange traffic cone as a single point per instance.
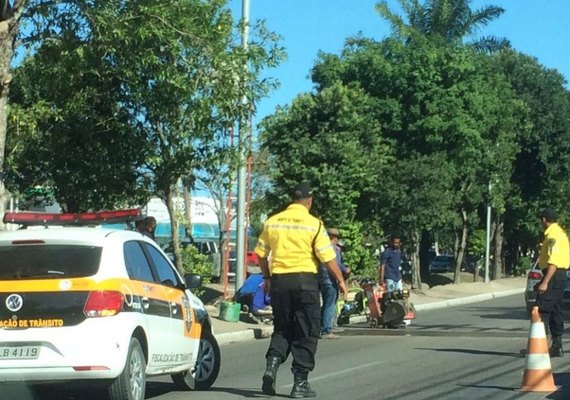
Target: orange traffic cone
(538, 372)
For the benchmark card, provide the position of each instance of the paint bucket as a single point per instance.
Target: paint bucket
(229, 311)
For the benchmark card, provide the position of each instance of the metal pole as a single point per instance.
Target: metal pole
(488, 236)
(242, 150)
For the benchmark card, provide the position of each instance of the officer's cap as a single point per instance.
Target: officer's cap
(333, 232)
(302, 191)
(549, 215)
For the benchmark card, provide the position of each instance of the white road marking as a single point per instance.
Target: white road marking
(340, 373)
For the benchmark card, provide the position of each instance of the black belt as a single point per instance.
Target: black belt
(310, 274)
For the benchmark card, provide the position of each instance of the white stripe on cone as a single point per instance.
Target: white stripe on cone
(537, 331)
(537, 361)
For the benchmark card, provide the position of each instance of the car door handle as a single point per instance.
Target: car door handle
(145, 303)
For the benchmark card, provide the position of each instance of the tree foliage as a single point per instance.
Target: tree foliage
(69, 131)
(331, 139)
(448, 21)
(164, 80)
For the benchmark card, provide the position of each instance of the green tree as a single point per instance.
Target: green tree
(417, 194)
(541, 168)
(448, 21)
(436, 99)
(11, 12)
(177, 72)
(184, 76)
(330, 139)
(69, 131)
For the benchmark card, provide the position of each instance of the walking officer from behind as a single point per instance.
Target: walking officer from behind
(554, 260)
(297, 242)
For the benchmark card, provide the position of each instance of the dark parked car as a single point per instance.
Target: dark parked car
(534, 276)
(444, 263)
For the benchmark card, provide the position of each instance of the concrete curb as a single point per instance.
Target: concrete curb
(245, 335)
(266, 331)
(467, 300)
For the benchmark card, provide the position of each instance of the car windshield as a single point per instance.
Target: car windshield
(443, 259)
(48, 261)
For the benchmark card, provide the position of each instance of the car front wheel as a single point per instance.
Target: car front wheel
(207, 367)
(131, 384)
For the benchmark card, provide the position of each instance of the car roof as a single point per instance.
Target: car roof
(92, 235)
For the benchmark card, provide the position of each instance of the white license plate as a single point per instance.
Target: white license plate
(19, 352)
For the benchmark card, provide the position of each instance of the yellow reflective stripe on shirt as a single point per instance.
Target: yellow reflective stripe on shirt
(293, 227)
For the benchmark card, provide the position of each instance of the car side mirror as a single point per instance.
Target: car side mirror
(193, 281)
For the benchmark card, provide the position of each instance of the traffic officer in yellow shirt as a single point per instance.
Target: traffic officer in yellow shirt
(297, 242)
(554, 260)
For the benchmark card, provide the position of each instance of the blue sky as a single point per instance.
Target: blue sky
(534, 27)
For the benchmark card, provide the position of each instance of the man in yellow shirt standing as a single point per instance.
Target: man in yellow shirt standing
(297, 242)
(554, 260)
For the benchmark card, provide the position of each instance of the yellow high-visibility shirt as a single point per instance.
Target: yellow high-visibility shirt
(554, 248)
(289, 236)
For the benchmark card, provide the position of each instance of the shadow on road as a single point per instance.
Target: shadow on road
(472, 351)
(248, 393)
(436, 331)
(500, 313)
(156, 389)
(562, 380)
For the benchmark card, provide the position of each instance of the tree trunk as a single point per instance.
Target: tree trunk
(436, 245)
(425, 247)
(461, 249)
(415, 260)
(174, 230)
(8, 32)
(497, 258)
(187, 209)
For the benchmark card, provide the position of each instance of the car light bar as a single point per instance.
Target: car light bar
(91, 218)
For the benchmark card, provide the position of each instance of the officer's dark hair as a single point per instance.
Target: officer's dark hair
(301, 191)
(394, 236)
(549, 215)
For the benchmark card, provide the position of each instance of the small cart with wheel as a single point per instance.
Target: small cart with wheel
(387, 309)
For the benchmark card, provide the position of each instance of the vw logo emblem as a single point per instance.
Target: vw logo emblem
(14, 302)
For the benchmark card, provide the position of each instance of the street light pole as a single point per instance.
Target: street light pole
(488, 235)
(244, 131)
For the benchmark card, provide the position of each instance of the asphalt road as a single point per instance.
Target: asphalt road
(467, 352)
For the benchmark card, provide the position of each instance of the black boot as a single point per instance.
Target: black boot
(270, 375)
(556, 347)
(302, 389)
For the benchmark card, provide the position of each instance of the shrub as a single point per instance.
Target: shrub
(195, 263)
(524, 263)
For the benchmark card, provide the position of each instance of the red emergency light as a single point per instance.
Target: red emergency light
(92, 218)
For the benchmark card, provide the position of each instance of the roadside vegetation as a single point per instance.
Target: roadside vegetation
(111, 102)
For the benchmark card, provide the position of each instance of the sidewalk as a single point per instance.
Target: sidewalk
(429, 299)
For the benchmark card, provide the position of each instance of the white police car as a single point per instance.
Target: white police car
(101, 306)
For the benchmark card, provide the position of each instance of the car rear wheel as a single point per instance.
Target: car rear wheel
(207, 368)
(131, 384)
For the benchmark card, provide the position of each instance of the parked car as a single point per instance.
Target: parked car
(209, 248)
(443, 263)
(533, 277)
(104, 307)
(446, 263)
(406, 269)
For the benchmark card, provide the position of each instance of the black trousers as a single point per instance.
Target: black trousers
(296, 320)
(550, 304)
